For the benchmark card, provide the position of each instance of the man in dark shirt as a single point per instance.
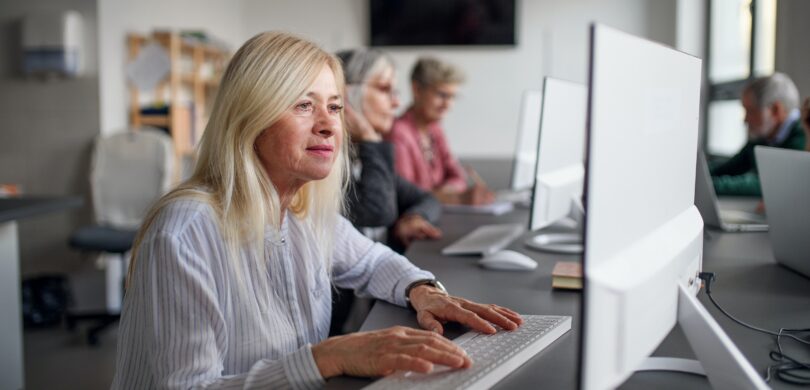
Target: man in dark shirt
(771, 106)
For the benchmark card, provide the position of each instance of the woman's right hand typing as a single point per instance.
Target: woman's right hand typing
(381, 352)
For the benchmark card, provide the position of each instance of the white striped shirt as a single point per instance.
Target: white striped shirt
(181, 326)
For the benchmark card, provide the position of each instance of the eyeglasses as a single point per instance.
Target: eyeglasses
(446, 96)
(307, 108)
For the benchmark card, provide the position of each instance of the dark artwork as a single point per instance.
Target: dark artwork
(445, 22)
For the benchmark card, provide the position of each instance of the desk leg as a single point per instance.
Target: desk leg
(11, 354)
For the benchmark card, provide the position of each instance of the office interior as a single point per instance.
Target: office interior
(48, 123)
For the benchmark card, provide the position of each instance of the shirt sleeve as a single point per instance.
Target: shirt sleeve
(371, 198)
(370, 268)
(412, 200)
(739, 164)
(174, 317)
(454, 175)
(404, 164)
(740, 185)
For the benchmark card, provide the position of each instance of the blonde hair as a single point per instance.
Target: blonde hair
(262, 81)
(429, 71)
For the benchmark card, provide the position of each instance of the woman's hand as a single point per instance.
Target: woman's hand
(382, 352)
(359, 128)
(478, 194)
(475, 195)
(434, 307)
(412, 227)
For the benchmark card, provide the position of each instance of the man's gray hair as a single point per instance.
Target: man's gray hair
(777, 87)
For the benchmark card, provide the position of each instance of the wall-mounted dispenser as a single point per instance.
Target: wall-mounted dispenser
(52, 43)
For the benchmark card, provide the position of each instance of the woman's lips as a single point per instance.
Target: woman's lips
(321, 150)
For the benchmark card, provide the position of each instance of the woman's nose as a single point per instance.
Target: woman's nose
(324, 124)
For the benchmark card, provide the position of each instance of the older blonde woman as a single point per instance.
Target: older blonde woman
(229, 283)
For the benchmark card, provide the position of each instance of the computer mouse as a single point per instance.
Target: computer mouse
(508, 260)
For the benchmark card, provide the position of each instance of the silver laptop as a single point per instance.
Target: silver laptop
(713, 216)
(783, 175)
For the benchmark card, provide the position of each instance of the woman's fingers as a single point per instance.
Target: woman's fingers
(455, 359)
(468, 318)
(416, 350)
(389, 363)
(428, 321)
(491, 314)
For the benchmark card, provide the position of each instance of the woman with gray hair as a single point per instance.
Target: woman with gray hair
(230, 276)
(378, 197)
(383, 205)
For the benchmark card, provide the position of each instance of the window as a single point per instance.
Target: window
(742, 45)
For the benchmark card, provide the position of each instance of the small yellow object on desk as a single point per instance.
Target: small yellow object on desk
(567, 275)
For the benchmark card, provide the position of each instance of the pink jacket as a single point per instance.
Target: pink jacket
(443, 171)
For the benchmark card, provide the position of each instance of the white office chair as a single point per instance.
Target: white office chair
(129, 171)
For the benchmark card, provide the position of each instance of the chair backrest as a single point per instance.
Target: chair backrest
(129, 172)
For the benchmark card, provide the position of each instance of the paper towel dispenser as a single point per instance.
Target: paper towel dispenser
(52, 43)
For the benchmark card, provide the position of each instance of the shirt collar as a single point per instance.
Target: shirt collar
(784, 130)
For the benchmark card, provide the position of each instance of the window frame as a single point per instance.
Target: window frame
(728, 90)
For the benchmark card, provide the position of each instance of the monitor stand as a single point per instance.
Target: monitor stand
(718, 357)
(569, 240)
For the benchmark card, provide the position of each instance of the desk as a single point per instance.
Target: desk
(12, 209)
(750, 285)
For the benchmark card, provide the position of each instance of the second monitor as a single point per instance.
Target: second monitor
(559, 172)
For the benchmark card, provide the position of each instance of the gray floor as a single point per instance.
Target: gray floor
(56, 358)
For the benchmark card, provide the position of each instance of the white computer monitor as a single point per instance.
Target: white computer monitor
(559, 170)
(643, 234)
(560, 150)
(526, 146)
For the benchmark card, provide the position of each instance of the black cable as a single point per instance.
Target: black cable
(787, 368)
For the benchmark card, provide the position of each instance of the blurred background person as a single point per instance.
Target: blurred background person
(772, 115)
(422, 153)
(378, 196)
(380, 203)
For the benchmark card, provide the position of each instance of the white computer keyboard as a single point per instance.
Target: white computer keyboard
(494, 357)
(485, 239)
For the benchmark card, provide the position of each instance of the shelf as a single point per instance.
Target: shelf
(210, 83)
(194, 76)
(155, 120)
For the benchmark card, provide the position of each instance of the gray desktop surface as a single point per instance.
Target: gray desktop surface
(23, 207)
(526, 292)
(749, 284)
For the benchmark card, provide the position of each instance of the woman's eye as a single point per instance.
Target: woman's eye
(335, 108)
(303, 107)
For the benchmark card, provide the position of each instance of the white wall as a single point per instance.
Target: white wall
(552, 40)
(219, 18)
(46, 128)
(793, 42)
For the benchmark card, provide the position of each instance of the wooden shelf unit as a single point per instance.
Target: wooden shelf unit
(184, 130)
